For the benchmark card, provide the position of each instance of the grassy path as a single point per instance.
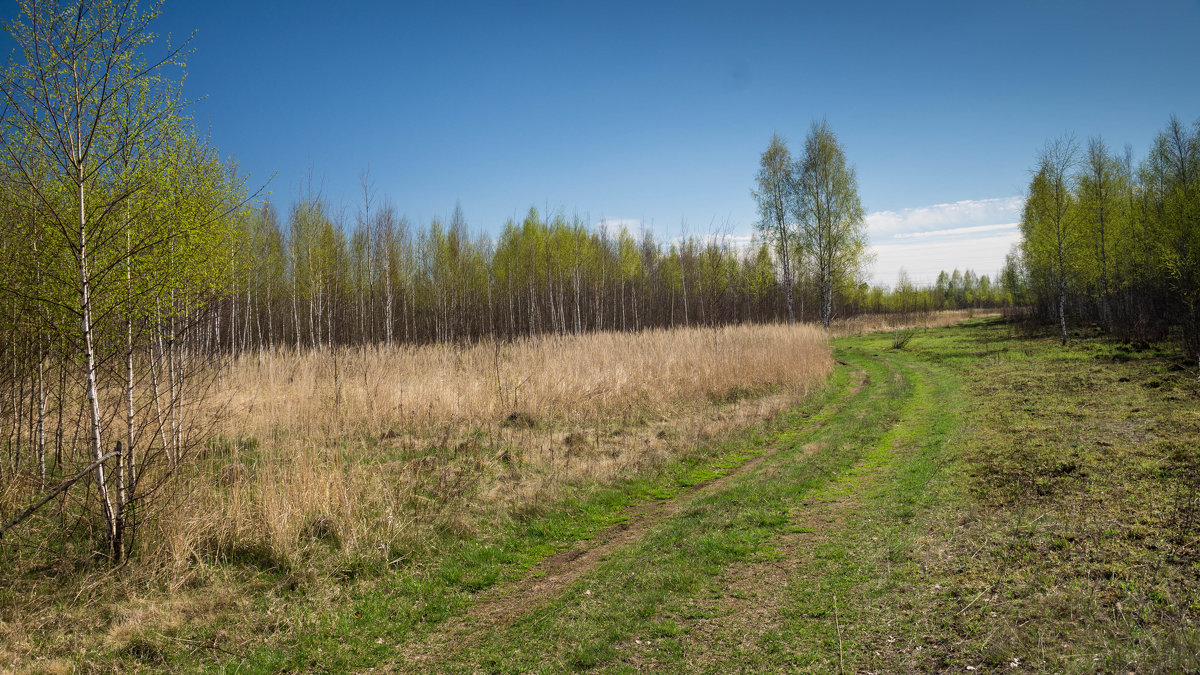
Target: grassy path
(713, 580)
(502, 605)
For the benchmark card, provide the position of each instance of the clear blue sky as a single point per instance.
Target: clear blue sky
(657, 111)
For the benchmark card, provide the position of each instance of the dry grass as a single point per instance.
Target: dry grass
(877, 323)
(374, 452)
(554, 379)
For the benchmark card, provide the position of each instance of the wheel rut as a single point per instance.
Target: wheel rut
(758, 591)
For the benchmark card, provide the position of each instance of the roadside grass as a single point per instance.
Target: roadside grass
(1070, 540)
(1042, 519)
(369, 621)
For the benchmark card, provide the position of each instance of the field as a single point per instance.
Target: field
(974, 498)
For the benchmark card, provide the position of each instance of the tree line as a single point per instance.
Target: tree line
(310, 280)
(1116, 244)
(958, 289)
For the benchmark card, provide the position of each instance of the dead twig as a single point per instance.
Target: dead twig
(57, 491)
(985, 591)
(838, 624)
(200, 643)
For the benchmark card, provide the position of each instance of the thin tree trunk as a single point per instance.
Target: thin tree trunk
(41, 418)
(295, 305)
(127, 462)
(156, 356)
(387, 286)
(174, 383)
(111, 517)
(1062, 287)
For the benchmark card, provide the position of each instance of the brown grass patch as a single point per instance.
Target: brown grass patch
(551, 380)
(878, 323)
(365, 450)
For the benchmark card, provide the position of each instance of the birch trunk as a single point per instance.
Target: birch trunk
(111, 516)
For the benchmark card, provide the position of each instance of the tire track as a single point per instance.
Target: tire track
(759, 590)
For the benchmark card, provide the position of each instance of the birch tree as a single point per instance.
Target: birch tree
(1174, 164)
(70, 97)
(830, 213)
(776, 195)
(131, 213)
(1100, 209)
(1049, 222)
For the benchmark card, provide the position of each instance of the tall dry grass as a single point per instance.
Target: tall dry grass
(553, 379)
(379, 453)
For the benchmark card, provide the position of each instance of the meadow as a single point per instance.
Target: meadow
(973, 497)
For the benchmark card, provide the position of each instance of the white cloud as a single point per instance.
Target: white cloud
(966, 213)
(924, 258)
(969, 234)
(975, 229)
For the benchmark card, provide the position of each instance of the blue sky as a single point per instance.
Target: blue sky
(655, 113)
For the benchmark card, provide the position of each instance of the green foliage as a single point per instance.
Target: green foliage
(776, 194)
(312, 281)
(940, 523)
(811, 215)
(1119, 245)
